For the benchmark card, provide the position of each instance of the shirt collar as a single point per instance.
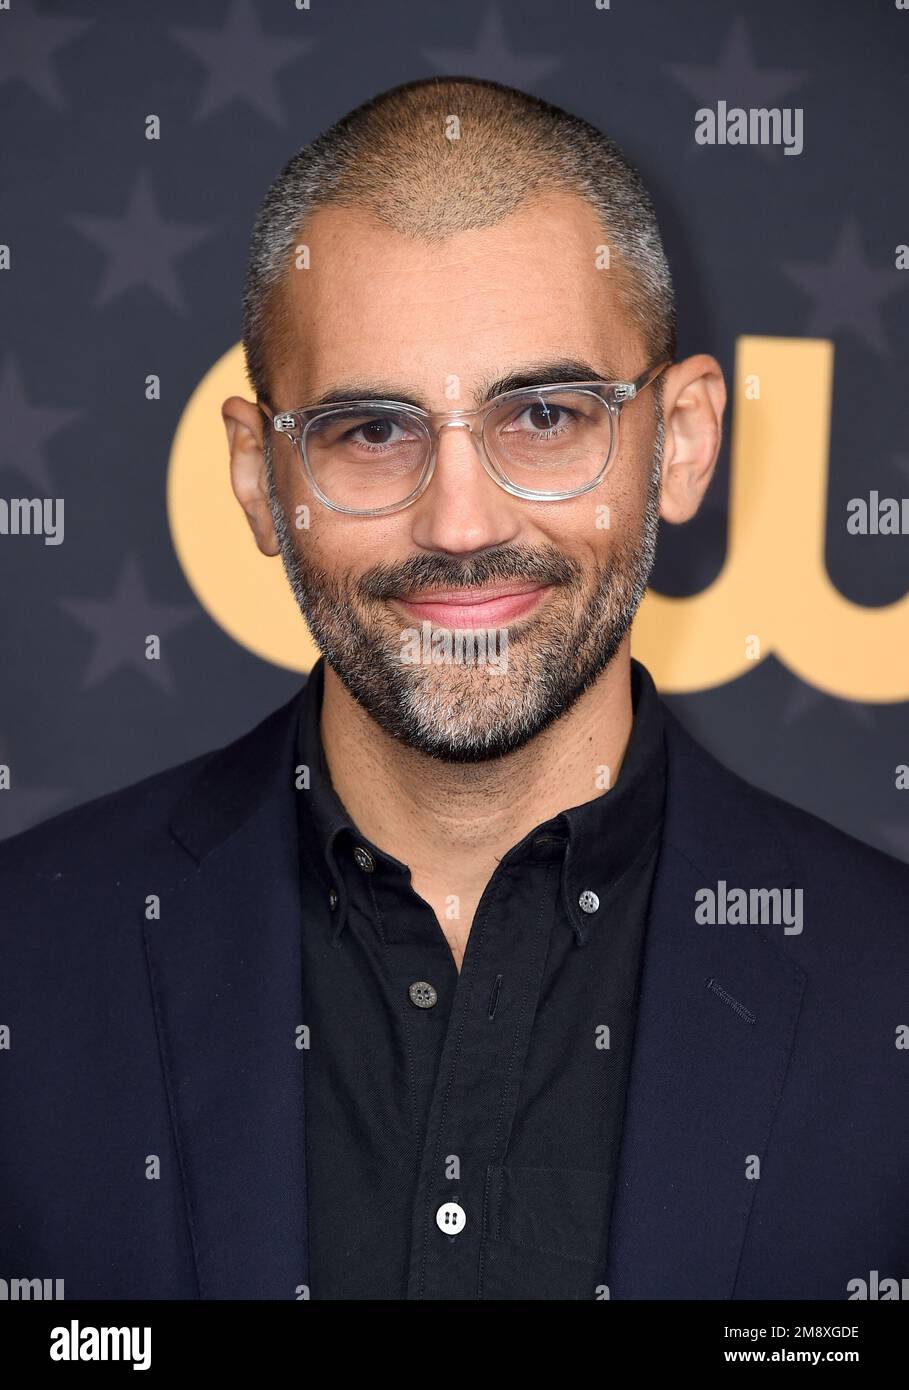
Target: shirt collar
(600, 842)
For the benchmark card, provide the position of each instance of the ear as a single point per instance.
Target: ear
(694, 398)
(245, 423)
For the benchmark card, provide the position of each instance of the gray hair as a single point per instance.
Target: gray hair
(391, 156)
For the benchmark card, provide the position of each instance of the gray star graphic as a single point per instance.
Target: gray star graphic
(142, 246)
(30, 41)
(736, 79)
(26, 429)
(121, 624)
(242, 61)
(847, 290)
(24, 803)
(492, 58)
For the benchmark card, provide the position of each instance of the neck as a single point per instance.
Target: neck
(452, 822)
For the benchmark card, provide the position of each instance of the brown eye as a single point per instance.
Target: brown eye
(544, 416)
(376, 431)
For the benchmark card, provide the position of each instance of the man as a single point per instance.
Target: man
(429, 987)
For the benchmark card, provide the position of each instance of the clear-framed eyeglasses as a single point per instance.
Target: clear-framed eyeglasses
(542, 443)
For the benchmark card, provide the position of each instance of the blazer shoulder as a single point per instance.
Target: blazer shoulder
(100, 826)
(128, 822)
(816, 849)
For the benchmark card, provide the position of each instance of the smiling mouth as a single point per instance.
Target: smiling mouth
(485, 607)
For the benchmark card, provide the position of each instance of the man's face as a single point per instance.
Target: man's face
(548, 589)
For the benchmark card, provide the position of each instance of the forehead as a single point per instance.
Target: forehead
(375, 302)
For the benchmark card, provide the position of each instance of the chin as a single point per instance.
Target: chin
(455, 724)
(469, 747)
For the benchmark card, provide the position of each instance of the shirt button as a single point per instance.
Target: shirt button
(332, 899)
(423, 995)
(451, 1218)
(588, 902)
(364, 859)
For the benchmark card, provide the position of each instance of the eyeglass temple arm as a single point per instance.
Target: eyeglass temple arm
(647, 377)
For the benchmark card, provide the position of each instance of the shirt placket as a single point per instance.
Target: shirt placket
(420, 980)
(479, 1075)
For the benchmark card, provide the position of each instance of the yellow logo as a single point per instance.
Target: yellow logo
(772, 597)
(244, 591)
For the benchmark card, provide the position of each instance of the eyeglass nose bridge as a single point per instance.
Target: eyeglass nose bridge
(462, 420)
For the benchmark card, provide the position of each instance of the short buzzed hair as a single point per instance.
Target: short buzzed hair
(392, 157)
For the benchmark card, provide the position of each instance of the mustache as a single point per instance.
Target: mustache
(540, 566)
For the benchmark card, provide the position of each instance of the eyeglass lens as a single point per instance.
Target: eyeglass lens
(547, 441)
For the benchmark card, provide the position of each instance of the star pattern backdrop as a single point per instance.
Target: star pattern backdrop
(126, 258)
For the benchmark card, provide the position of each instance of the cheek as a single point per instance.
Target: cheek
(626, 510)
(588, 531)
(626, 486)
(351, 545)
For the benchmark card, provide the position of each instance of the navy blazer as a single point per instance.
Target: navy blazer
(165, 1045)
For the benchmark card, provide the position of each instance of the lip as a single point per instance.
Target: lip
(479, 608)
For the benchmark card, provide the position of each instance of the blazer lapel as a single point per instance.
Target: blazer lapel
(224, 965)
(717, 1016)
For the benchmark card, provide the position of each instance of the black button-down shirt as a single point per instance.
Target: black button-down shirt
(462, 1129)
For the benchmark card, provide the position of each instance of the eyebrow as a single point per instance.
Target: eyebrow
(554, 373)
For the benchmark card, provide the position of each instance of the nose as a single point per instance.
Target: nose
(463, 509)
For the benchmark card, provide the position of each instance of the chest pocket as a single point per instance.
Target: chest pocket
(544, 1233)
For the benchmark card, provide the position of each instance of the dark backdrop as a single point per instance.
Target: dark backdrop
(126, 257)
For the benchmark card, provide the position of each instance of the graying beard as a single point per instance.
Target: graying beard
(407, 716)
